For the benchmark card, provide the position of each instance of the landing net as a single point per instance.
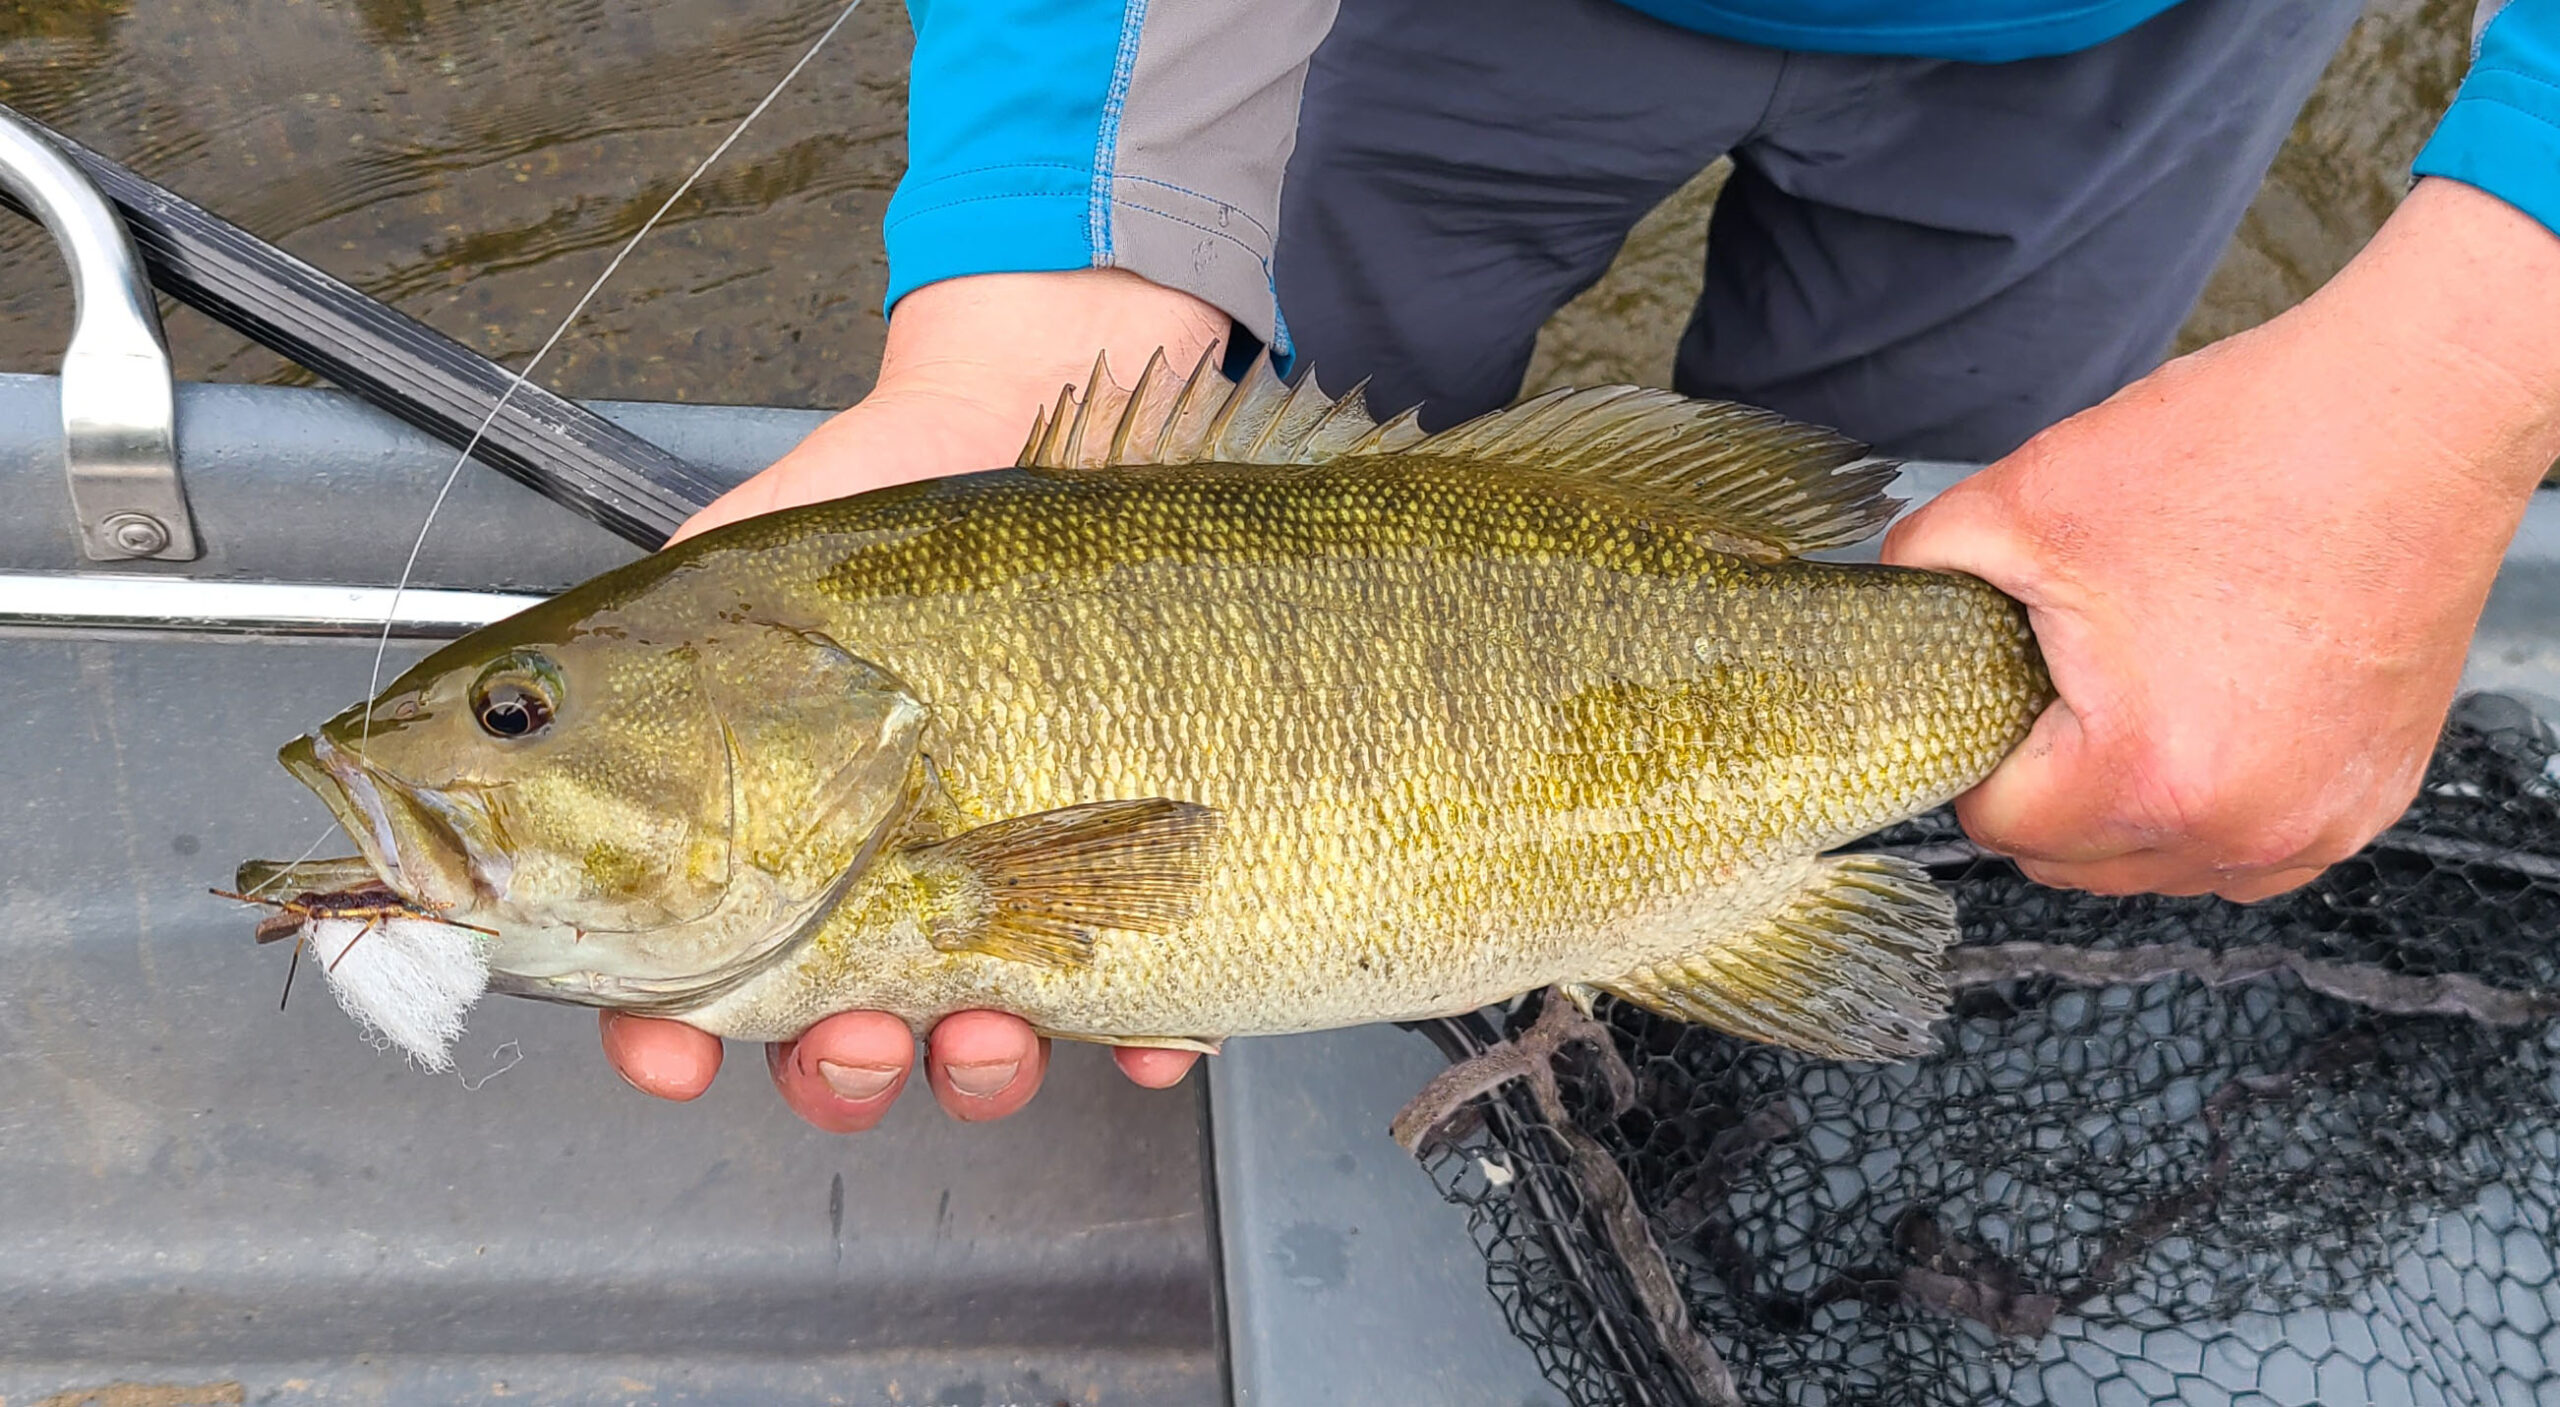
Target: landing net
(2172, 1151)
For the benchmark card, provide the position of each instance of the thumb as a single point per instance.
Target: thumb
(1970, 529)
(759, 495)
(2049, 800)
(1917, 538)
(895, 435)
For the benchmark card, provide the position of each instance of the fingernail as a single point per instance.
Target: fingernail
(984, 1081)
(857, 1082)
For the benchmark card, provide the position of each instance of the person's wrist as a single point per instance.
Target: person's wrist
(2449, 325)
(969, 363)
(1012, 340)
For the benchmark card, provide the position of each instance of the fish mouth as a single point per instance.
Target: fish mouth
(351, 797)
(414, 849)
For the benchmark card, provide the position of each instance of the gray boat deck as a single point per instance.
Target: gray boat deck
(202, 1190)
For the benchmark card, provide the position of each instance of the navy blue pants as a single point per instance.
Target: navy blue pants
(1939, 258)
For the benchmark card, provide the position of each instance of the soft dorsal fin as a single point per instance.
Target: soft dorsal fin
(1767, 487)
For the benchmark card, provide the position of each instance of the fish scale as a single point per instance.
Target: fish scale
(1287, 724)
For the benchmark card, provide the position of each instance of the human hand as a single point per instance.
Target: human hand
(967, 364)
(2255, 573)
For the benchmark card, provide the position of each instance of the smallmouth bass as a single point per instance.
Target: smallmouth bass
(1226, 711)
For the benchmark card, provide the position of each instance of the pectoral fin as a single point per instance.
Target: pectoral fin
(1037, 888)
(1849, 967)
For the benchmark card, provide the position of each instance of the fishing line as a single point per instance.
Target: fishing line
(514, 1053)
(260, 887)
(391, 612)
(382, 645)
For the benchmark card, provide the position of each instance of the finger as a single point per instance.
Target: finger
(664, 1058)
(747, 500)
(984, 1064)
(1155, 1069)
(2140, 872)
(2183, 872)
(843, 1073)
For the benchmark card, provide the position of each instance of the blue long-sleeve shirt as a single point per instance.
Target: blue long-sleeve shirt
(1150, 135)
(2502, 133)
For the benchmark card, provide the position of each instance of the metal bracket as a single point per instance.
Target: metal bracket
(119, 402)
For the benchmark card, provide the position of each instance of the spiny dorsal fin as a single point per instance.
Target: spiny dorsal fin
(1764, 486)
(1199, 418)
(1038, 887)
(1850, 966)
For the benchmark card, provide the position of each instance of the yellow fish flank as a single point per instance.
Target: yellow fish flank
(1225, 713)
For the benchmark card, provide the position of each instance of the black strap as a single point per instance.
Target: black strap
(554, 446)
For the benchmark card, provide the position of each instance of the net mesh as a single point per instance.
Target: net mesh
(2172, 1150)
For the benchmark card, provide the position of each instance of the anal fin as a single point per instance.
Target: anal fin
(1850, 966)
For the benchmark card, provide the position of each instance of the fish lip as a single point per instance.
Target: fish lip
(342, 785)
(355, 792)
(492, 871)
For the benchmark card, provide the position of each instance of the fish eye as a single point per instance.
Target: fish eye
(516, 697)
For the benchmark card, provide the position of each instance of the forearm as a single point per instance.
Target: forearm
(2452, 316)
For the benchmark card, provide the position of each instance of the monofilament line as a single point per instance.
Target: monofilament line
(382, 645)
(391, 612)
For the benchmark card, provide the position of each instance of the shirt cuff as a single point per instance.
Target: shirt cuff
(2502, 133)
(1036, 218)
(1030, 218)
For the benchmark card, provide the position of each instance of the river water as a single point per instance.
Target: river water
(474, 162)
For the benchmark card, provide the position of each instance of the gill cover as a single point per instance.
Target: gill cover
(815, 749)
(819, 743)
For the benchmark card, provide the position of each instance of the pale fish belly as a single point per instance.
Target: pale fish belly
(1399, 975)
(1219, 978)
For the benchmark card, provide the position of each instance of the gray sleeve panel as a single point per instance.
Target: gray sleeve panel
(1194, 148)
(2481, 15)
